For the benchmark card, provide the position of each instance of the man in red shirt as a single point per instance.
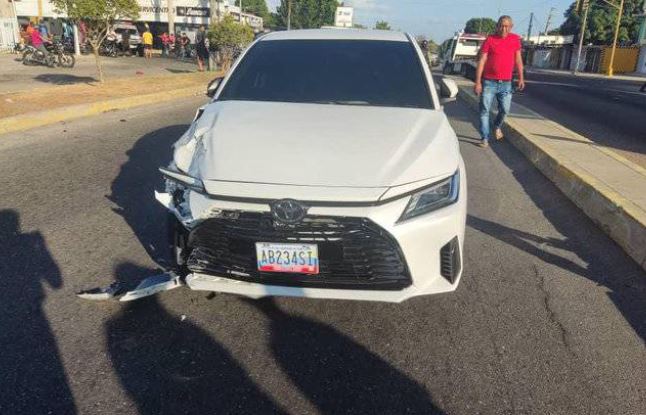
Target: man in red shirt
(498, 55)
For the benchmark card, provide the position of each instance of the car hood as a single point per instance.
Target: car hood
(322, 145)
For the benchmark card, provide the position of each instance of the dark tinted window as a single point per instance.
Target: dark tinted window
(359, 72)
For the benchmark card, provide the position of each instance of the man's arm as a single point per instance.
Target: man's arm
(521, 71)
(477, 88)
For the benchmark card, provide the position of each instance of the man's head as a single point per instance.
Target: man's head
(504, 26)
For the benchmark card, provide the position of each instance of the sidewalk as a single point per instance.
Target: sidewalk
(635, 76)
(608, 188)
(28, 109)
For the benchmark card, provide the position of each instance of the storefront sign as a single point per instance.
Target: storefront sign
(193, 11)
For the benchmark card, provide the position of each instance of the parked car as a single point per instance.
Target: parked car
(323, 167)
(135, 38)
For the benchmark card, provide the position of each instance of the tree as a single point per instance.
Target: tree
(359, 26)
(228, 36)
(306, 14)
(98, 16)
(484, 25)
(382, 25)
(602, 20)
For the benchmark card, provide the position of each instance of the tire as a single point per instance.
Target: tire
(28, 59)
(66, 61)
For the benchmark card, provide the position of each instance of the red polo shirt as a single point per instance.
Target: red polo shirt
(501, 56)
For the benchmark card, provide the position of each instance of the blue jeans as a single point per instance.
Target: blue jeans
(502, 91)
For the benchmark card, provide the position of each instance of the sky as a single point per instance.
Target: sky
(439, 19)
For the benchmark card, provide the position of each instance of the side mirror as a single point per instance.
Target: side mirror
(448, 90)
(212, 88)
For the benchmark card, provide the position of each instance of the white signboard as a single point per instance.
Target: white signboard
(343, 17)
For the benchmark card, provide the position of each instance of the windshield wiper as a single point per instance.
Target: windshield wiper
(341, 102)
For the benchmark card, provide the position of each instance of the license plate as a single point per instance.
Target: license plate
(294, 258)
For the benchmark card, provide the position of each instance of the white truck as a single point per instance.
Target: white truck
(461, 55)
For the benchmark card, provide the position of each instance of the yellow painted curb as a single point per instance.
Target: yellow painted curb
(620, 218)
(38, 119)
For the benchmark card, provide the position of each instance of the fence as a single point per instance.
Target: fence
(625, 59)
(594, 59)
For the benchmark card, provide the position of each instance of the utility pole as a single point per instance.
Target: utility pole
(614, 43)
(586, 6)
(529, 29)
(171, 16)
(547, 25)
(549, 19)
(289, 14)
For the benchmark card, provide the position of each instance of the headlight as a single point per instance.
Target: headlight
(184, 179)
(434, 197)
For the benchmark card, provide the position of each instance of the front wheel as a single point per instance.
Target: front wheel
(28, 59)
(66, 61)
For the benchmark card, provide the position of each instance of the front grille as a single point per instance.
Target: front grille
(354, 253)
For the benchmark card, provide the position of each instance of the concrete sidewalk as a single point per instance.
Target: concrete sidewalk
(28, 109)
(636, 76)
(608, 188)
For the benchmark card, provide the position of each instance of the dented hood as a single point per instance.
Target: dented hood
(322, 145)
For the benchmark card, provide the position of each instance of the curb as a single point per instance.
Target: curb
(38, 119)
(617, 216)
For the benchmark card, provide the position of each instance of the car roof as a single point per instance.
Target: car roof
(337, 34)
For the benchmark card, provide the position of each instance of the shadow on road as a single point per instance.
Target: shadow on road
(32, 377)
(335, 373)
(133, 189)
(64, 79)
(606, 263)
(170, 366)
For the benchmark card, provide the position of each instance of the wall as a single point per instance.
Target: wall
(625, 59)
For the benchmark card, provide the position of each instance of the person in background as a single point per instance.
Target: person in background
(498, 56)
(186, 44)
(42, 28)
(165, 41)
(171, 42)
(147, 40)
(201, 49)
(37, 41)
(125, 42)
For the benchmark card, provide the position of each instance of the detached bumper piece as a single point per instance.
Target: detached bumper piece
(147, 287)
(354, 253)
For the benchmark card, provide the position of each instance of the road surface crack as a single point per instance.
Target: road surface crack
(551, 315)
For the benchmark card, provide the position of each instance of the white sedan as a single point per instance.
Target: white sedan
(323, 167)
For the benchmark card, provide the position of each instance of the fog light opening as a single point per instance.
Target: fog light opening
(450, 264)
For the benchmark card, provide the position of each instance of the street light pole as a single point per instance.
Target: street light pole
(289, 14)
(614, 43)
(586, 5)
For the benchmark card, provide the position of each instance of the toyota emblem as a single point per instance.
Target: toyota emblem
(288, 211)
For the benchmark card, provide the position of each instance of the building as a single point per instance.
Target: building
(189, 15)
(9, 33)
(549, 40)
(343, 16)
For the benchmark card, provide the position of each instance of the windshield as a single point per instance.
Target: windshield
(350, 72)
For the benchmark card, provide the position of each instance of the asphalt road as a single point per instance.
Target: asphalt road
(549, 317)
(610, 112)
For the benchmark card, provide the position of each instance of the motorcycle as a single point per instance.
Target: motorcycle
(109, 47)
(57, 56)
(33, 56)
(61, 57)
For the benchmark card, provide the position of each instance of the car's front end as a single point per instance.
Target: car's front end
(322, 199)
